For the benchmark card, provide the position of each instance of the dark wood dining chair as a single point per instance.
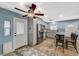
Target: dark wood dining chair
(72, 40)
(60, 39)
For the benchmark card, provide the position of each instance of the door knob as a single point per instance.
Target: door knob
(15, 34)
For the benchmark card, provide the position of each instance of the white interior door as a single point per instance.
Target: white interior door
(20, 33)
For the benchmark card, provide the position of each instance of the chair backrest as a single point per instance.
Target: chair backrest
(62, 37)
(74, 36)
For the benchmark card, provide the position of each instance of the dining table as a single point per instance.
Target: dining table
(63, 33)
(65, 37)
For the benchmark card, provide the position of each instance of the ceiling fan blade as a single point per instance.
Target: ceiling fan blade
(24, 15)
(33, 7)
(20, 10)
(39, 14)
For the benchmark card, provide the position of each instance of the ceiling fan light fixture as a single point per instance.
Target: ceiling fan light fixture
(30, 14)
(45, 16)
(31, 11)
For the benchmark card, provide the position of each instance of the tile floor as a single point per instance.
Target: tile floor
(46, 48)
(26, 51)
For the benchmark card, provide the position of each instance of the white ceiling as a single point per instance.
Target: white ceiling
(53, 10)
(56, 10)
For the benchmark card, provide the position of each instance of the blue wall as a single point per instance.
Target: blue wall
(6, 15)
(61, 24)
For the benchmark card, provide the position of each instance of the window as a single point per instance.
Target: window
(53, 27)
(71, 25)
(6, 28)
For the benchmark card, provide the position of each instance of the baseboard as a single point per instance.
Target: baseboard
(22, 47)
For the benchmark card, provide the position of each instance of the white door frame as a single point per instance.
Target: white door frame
(14, 32)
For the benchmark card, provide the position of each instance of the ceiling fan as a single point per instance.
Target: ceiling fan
(30, 12)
